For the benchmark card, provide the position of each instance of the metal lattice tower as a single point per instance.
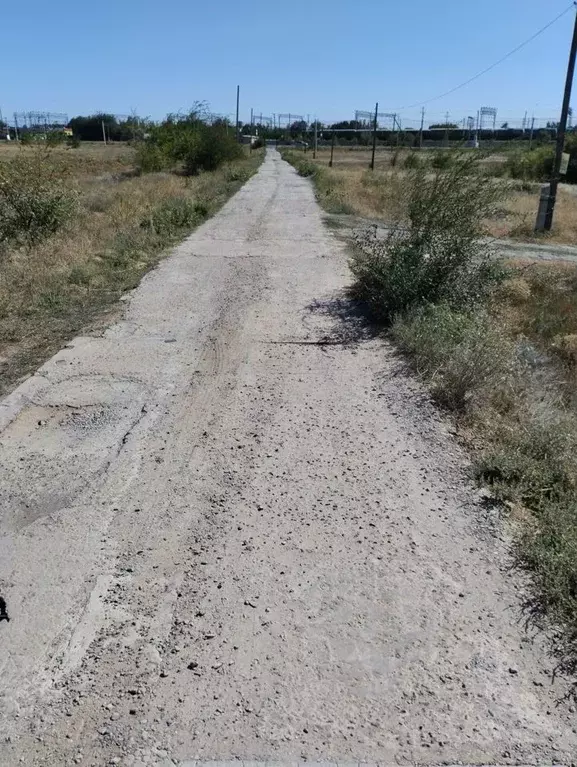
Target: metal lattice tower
(40, 121)
(368, 117)
(260, 119)
(289, 118)
(487, 112)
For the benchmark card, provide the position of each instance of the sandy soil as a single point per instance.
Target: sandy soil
(233, 528)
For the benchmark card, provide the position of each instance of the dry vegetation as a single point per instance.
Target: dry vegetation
(350, 187)
(121, 224)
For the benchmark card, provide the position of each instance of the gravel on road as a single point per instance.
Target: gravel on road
(233, 528)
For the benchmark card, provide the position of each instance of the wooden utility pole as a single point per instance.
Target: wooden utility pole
(315, 141)
(375, 122)
(531, 133)
(237, 106)
(422, 126)
(547, 222)
(332, 149)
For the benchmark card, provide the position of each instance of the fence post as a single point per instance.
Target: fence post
(315, 142)
(332, 149)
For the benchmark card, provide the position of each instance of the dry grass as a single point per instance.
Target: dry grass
(51, 291)
(516, 217)
(88, 161)
(349, 187)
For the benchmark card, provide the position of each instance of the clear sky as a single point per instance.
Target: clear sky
(324, 58)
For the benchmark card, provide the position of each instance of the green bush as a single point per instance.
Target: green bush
(461, 353)
(189, 141)
(55, 138)
(442, 160)
(304, 167)
(150, 158)
(412, 161)
(215, 146)
(33, 204)
(549, 550)
(439, 256)
(175, 215)
(234, 173)
(536, 165)
(535, 462)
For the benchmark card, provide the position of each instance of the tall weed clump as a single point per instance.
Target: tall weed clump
(34, 203)
(462, 354)
(438, 255)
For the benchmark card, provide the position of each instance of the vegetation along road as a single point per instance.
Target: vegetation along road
(233, 527)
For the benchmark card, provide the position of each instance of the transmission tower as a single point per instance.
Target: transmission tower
(487, 113)
(368, 118)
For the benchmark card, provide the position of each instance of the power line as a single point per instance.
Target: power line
(496, 64)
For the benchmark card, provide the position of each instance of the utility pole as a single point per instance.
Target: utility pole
(16, 127)
(372, 165)
(531, 133)
(315, 141)
(332, 149)
(547, 221)
(237, 131)
(422, 125)
(103, 131)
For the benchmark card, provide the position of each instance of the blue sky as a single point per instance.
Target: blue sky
(317, 58)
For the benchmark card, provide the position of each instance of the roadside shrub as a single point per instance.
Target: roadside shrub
(190, 141)
(536, 461)
(215, 145)
(548, 548)
(304, 167)
(441, 160)
(234, 173)
(439, 256)
(150, 158)
(412, 161)
(55, 138)
(536, 165)
(462, 354)
(174, 215)
(33, 204)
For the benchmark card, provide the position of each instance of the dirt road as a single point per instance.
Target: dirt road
(232, 528)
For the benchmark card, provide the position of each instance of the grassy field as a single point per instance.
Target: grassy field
(349, 187)
(122, 224)
(495, 342)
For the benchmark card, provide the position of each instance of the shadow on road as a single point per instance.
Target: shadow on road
(350, 319)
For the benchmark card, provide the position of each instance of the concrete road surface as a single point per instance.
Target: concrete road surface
(232, 528)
